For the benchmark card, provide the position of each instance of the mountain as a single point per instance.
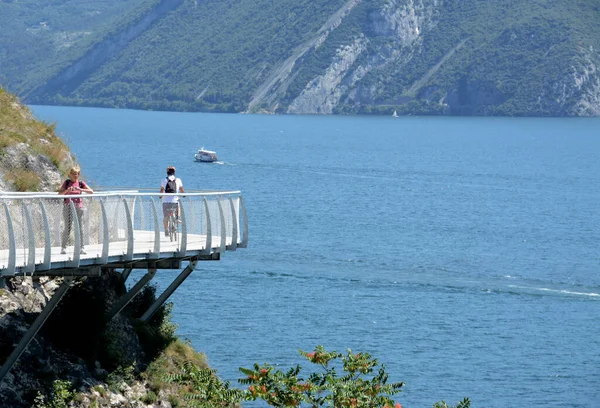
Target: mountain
(433, 57)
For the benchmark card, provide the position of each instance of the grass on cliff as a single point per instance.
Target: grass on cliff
(17, 125)
(170, 362)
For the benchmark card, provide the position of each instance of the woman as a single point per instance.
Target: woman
(73, 186)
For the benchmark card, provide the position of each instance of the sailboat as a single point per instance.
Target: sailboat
(395, 114)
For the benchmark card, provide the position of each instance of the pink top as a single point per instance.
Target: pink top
(72, 190)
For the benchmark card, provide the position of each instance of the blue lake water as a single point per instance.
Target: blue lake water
(463, 253)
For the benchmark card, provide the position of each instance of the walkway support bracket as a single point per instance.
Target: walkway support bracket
(125, 299)
(223, 245)
(12, 252)
(244, 243)
(169, 291)
(129, 220)
(235, 222)
(125, 274)
(30, 266)
(35, 327)
(105, 233)
(208, 245)
(155, 253)
(183, 241)
(47, 238)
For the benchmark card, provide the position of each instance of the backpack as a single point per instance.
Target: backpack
(171, 186)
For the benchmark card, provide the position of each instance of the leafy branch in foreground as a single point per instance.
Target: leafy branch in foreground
(324, 387)
(206, 389)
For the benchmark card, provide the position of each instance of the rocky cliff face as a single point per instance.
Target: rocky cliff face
(22, 156)
(585, 85)
(323, 93)
(401, 23)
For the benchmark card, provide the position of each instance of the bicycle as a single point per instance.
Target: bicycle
(172, 226)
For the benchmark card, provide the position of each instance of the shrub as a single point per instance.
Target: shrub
(206, 390)
(60, 397)
(174, 401)
(100, 390)
(324, 387)
(149, 398)
(24, 180)
(119, 376)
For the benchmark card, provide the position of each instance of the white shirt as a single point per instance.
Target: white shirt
(170, 198)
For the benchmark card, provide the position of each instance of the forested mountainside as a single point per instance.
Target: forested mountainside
(436, 57)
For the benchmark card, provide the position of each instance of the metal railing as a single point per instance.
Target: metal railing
(44, 231)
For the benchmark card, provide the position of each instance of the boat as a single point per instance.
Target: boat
(395, 114)
(204, 155)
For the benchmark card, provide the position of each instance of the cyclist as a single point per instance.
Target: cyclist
(170, 203)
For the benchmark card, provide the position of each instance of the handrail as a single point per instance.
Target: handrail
(113, 227)
(17, 194)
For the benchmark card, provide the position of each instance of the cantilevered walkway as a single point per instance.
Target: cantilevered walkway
(117, 230)
(120, 229)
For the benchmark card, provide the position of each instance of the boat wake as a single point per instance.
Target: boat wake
(558, 291)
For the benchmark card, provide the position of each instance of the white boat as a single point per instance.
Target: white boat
(204, 155)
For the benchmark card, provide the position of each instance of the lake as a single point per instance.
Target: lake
(463, 253)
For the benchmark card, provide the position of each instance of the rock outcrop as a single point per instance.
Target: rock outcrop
(21, 156)
(30, 149)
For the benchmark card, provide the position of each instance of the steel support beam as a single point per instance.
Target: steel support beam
(169, 291)
(35, 327)
(125, 299)
(125, 274)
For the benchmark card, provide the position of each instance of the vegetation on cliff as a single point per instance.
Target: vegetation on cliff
(32, 156)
